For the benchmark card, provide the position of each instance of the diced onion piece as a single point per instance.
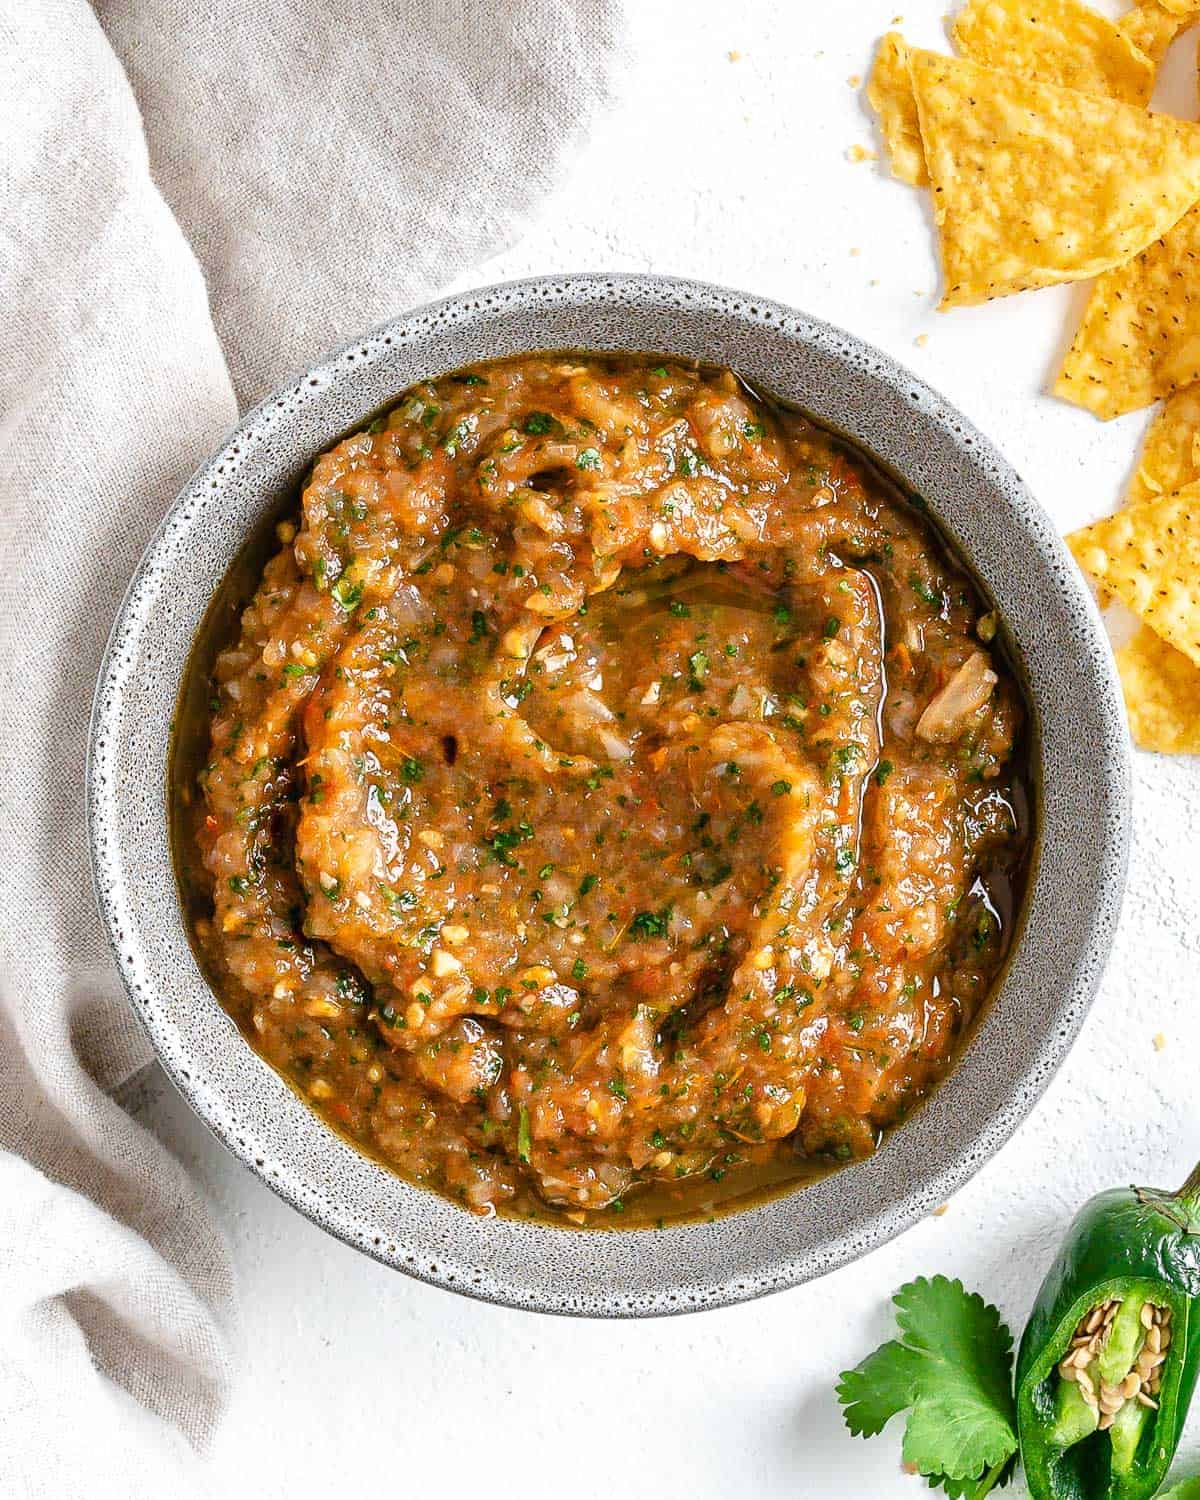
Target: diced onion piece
(952, 707)
(742, 702)
(589, 709)
(614, 746)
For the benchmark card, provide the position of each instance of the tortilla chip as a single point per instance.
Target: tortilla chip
(890, 95)
(1064, 42)
(1171, 452)
(1035, 184)
(1140, 335)
(1162, 695)
(1057, 41)
(1152, 28)
(1148, 556)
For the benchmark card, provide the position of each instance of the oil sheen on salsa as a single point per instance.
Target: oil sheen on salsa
(609, 802)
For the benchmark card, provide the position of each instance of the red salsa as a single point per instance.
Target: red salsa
(610, 799)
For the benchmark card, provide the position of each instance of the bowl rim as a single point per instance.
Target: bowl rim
(699, 1277)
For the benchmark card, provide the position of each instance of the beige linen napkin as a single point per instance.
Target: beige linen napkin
(319, 167)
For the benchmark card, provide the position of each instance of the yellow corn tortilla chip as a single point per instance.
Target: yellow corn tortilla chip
(1063, 42)
(1162, 695)
(1152, 28)
(1139, 338)
(1148, 556)
(890, 95)
(1055, 41)
(1035, 184)
(1170, 455)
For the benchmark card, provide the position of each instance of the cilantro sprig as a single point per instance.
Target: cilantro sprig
(951, 1370)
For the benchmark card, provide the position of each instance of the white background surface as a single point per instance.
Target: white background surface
(357, 1380)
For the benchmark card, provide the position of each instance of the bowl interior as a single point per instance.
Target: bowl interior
(1073, 890)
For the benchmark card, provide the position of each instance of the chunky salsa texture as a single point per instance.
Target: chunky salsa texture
(610, 803)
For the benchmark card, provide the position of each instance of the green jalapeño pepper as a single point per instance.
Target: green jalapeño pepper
(1109, 1359)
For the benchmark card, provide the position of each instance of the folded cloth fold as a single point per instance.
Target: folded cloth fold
(194, 201)
(331, 164)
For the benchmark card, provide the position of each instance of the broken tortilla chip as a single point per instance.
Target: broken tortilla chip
(1057, 41)
(890, 95)
(1152, 28)
(1148, 557)
(1162, 695)
(1140, 335)
(1035, 184)
(1170, 455)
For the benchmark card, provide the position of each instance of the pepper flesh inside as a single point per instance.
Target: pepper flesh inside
(1109, 1379)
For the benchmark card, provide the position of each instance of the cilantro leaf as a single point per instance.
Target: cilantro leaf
(967, 1489)
(880, 1388)
(937, 1441)
(951, 1369)
(964, 1413)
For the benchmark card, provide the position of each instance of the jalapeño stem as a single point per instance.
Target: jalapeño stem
(1183, 1205)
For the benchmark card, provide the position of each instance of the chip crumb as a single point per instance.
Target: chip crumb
(854, 80)
(874, 281)
(855, 250)
(735, 56)
(860, 153)
(938, 1212)
(1160, 1042)
(921, 340)
(897, 20)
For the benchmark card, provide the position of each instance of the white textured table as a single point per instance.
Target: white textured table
(358, 1380)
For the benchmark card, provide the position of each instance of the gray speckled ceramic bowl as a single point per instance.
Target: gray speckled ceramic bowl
(1075, 890)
